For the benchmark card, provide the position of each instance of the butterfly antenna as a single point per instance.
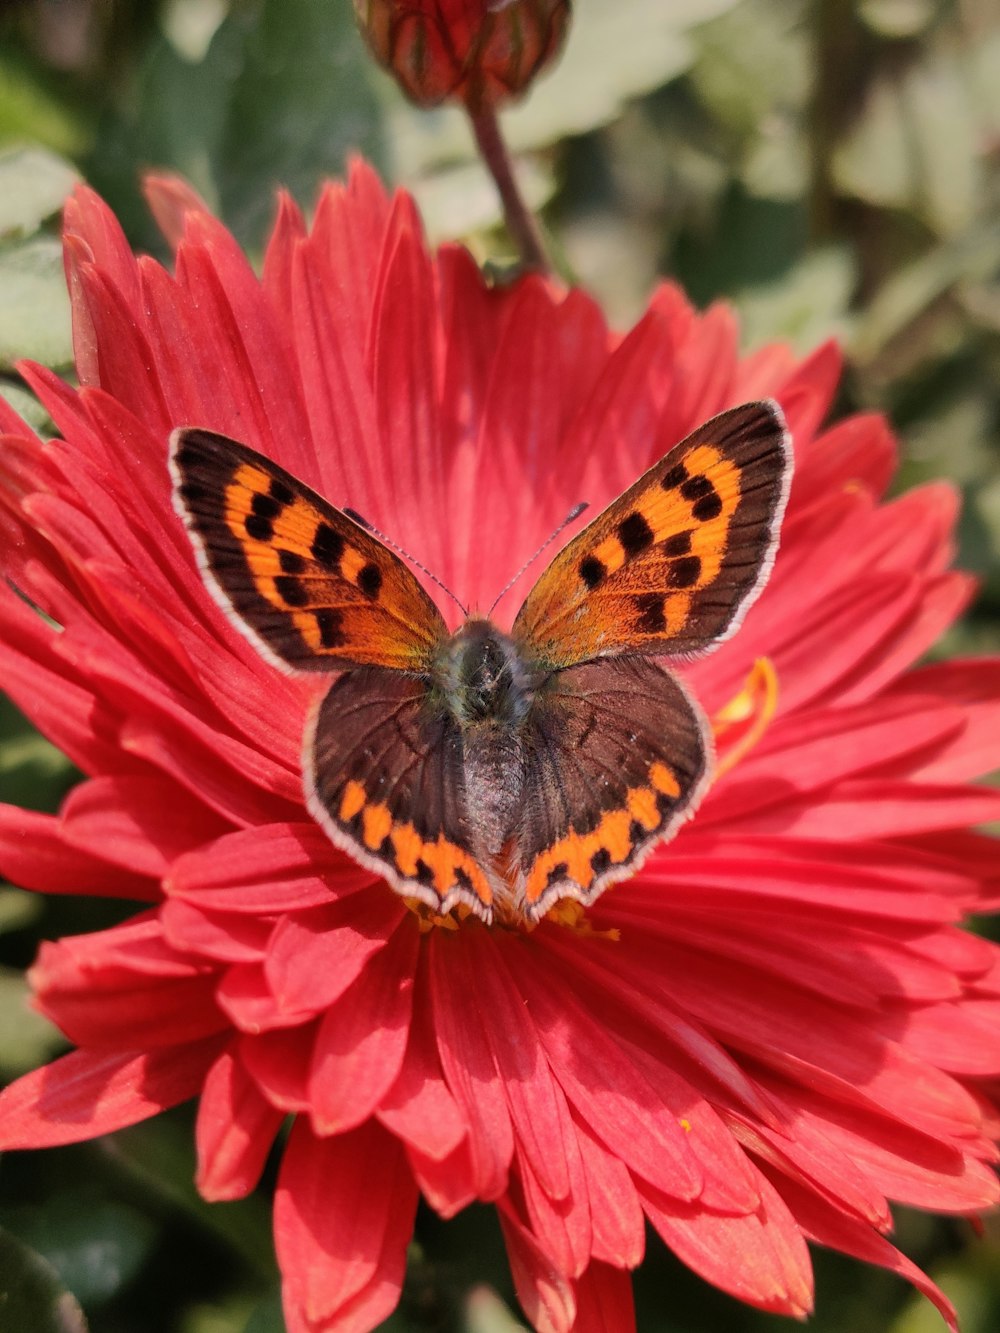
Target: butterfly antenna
(387, 541)
(574, 513)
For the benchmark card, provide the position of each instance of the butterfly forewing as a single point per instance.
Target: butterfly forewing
(618, 758)
(672, 566)
(312, 589)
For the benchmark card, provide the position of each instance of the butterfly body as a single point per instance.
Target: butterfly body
(497, 771)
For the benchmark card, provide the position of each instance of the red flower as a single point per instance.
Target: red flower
(477, 51)
(772, 1029)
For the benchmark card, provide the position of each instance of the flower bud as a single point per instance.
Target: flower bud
(480, 52)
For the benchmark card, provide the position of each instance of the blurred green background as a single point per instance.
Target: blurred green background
(830, 167)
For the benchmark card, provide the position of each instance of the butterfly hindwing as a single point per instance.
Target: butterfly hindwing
(384, 777)
(618, 756)
(312, 589)
(673, 564)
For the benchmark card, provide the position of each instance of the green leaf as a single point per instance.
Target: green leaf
(26, 1038)
(300, 104)
(267, 1318)
(27, 406)
(280, 97)
(34, 184)
(30, 110)
(33, 1297)
(159, 1154)
(806, 305)
(97, 1246)
(753, 62)
(910, 291)
(917, 143)
(17, 910)
(34, 306)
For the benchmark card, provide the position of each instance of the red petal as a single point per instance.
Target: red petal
(34, 856)
(82, 1095)
(604, 1301)
(545, 1294)
(279, 1063)
(616, 1213)
(362, 1037)
(468, 1064)
(170, 199)
(315, 955)
(139, 823)
(760, 1258)
(418, 1107)
(606, 1088)
(343, 1216)
(829, 1227)
(266, 869)
(234, 1133)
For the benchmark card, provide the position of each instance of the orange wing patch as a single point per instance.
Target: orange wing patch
(311, 588)
(437, 872)
(580, 865)
(674, 563)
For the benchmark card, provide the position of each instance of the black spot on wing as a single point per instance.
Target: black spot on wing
(651, 618)
(684, 572)
(370, 580)
(557, 873)
(265, 506)
(328, 622)
(635, 534)
(600, 861)
(674, 477)
(291, 590)
(695, 487)
(259, 528)
(290, 561)
(280, 492)
(327, 546)
(709, 506)
(592, 570)
(678, 544)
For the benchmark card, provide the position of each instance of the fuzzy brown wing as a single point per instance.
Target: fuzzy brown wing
(617, 756)
(385, 779)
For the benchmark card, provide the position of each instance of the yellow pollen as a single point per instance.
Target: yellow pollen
(744, 719)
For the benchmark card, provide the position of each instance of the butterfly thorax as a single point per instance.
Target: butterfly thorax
(482, 677)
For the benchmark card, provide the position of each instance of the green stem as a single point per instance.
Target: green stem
(521, 224)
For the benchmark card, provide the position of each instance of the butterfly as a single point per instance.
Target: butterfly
(499, 771)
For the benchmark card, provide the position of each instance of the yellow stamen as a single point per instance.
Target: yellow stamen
(744, 719)
(573, 915)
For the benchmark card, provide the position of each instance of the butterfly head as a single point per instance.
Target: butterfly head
(482, 676)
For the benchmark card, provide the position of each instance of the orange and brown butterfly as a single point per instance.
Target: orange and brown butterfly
(502, 772)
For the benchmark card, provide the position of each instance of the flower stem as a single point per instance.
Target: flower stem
(521, 224)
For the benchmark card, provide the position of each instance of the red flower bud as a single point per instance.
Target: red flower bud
(480, 52)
